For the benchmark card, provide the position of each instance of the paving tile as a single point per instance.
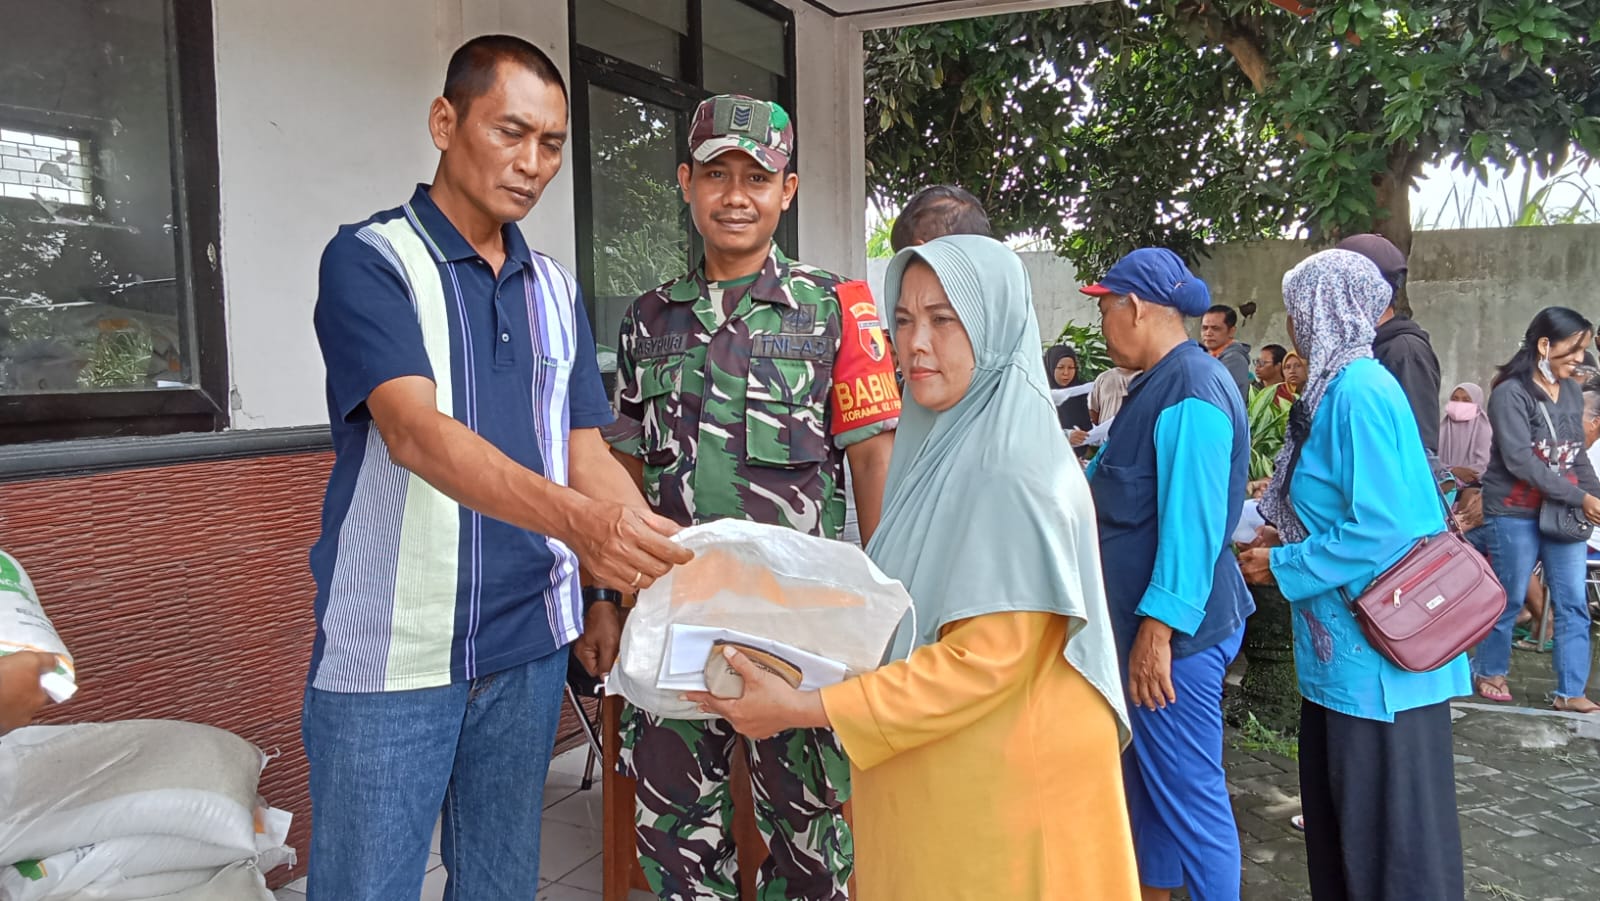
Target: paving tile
(584, 808)
(433, 885)
(1548, 824)
(1499, 822)
(590, 876)
(1528, 787)
(564, 847)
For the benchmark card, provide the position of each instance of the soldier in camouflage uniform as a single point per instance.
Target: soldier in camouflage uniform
(747, 383)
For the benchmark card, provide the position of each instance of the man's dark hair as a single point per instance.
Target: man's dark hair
(1278, 352)
(1230, 316)
(938, 211)
(475, 64)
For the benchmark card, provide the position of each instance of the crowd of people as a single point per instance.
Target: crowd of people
(1051, 727)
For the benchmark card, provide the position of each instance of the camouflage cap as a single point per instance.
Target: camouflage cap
(736, 122)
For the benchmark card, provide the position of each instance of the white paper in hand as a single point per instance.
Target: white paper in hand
(758, 584)
(683, 666)
(1250, 520)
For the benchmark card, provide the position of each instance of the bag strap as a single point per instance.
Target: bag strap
(1553, 436)
(1450, 522)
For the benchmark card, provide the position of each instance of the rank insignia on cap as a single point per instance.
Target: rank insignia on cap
(741, 116)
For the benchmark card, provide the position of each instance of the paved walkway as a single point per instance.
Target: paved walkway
(1527, 786)
(569, 859)
(1527, 781)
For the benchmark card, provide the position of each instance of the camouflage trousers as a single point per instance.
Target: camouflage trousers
(683, 814)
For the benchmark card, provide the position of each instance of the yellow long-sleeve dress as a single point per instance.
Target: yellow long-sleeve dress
(985, 767)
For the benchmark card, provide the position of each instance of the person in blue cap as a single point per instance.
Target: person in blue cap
(1168, 487)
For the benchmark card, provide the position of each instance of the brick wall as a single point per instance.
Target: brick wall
(184, 593)
(53, 167)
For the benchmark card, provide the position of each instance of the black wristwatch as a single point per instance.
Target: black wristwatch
(592, 596)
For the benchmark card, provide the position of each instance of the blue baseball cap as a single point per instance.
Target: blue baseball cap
(1157, 275)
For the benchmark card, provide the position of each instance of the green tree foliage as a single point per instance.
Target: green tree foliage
(1189, 122)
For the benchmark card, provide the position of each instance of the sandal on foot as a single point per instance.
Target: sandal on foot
(1494, 690)
(1576, 705)
(1298, 821)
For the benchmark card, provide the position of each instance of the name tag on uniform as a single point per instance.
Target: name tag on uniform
(812, 348)
(651, 347)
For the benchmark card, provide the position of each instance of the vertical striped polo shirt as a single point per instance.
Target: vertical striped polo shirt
(413, 589)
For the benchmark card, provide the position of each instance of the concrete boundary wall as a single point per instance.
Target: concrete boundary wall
(1474, 290)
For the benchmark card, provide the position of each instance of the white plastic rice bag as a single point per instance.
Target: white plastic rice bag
(235, 882)
(24, 627)
(64, 787)
(80, 873)
(143, 865)
(240, 882)
(823, 597)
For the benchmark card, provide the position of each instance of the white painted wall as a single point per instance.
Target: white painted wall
(322, 121)
(1056, 298)
(830, 134)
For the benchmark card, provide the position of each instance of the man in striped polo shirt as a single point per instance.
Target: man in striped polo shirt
(469, 480)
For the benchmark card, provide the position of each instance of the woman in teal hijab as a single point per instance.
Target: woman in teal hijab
(986, 758)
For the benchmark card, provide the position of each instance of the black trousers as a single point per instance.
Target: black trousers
(1380, 806)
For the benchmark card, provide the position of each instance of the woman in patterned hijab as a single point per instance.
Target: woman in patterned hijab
(1351, 494)
(1333, 309)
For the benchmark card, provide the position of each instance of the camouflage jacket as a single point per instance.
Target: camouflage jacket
(747, 415)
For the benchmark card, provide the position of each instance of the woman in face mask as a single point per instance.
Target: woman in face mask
(1464, 434)
(1537, 457)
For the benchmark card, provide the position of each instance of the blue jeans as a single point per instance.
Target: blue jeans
(1515, 545)
(384, 763)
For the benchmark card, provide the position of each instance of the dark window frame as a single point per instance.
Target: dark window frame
(203, 406)
(590, 67)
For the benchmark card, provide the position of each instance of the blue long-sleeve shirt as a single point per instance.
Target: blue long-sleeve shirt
(1191, 512)
(1365, 494)
(1168, 487)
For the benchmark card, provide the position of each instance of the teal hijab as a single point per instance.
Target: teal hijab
(986, 509)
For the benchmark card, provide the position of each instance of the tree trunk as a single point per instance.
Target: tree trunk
(1393, 219)
(1271, 688)
(1244, 46)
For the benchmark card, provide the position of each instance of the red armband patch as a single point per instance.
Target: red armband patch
(864, 391)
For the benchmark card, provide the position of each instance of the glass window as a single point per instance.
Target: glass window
(89, 230)
(641, 224)
(744, 51)
(634, 228)
(649, 33)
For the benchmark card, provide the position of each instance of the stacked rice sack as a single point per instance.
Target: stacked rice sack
(134, 810)
(125, 811)
(24, 627)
